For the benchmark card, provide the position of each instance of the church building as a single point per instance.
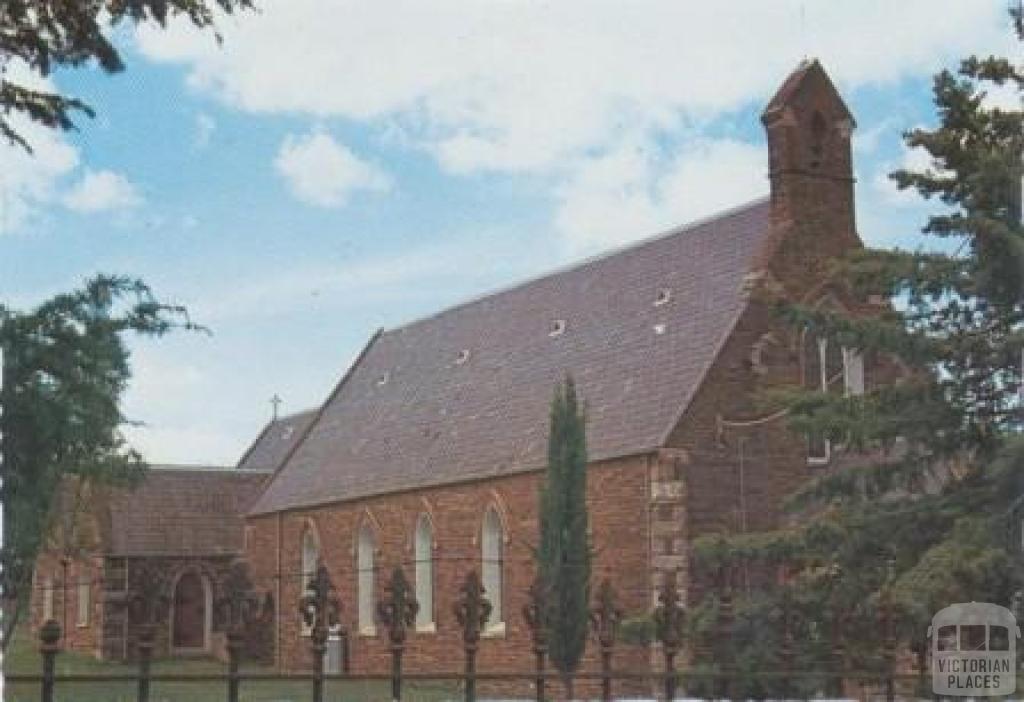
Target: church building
(430, 451)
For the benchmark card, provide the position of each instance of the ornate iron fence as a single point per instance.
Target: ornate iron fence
(321, 608)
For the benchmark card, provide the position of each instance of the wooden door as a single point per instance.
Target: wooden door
(190, 612)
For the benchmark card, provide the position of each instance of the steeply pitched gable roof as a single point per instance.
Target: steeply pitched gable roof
(808, 72)
(465, 394)
(182, 512)
(275, 442)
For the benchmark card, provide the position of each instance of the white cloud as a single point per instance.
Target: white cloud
(868, 138)
(158, 378)
(523, 86)
(29, 181)
(99, 191)
(356, 283)
(174, 375)
(287, 289)
(1006, 97)
(323, 172)
(162, 397)
(205, 126)
(629, 191)
(916, 160)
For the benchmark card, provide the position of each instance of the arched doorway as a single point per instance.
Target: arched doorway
(191, 619)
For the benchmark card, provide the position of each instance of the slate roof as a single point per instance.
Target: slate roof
(194, 511)
(275, 441)
(465, 394)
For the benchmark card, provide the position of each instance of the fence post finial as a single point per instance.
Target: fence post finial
(669, 617)
(238, 608)
(535, 615)
(397, 611)
(321, 611)
(472, 610)
(605, 617)
(49, 639)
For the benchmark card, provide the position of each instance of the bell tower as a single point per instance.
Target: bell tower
(810, 164)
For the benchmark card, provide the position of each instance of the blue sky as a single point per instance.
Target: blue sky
(335, 167)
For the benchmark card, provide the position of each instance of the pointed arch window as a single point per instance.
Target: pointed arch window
(829, 368)
(424, 554)
(492, 555)
(365, 580)
(832, 368)
(310, 561)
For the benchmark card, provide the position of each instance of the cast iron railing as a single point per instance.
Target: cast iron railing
(320, 607)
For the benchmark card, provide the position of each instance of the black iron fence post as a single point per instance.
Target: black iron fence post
(888, 644)
(604, 618)
(397, 612)
(321, 611)
(235, 643)
(147, 605)
(49, 637)
(921, 654)
(319, 647)
(838, 654)
(669, 617)
(836, 634)
(471, 612)
(147, 633)
(786, 649)
(237, 609)
(535, 614)
(1017, 607)
(723, 635)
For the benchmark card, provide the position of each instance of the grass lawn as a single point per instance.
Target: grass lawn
(24, 658)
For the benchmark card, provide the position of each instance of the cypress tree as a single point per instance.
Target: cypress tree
(564, 552)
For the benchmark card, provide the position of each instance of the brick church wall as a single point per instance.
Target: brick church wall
(618, 492)
(742, 461)
(737, 477)
(110, 632)
(65, 577)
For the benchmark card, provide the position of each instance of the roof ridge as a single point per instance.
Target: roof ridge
(586, 261)
(360, 443)
(311, 411)
(252, 509)
(255, 442)
(295, 415)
